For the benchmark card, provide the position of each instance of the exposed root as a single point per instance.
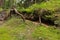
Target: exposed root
(19, 14)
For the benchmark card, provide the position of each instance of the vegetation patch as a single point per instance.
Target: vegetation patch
(43, 33)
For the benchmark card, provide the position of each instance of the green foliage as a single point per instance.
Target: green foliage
(49, 5)
(57, 21)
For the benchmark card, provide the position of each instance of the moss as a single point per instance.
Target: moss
(1, 9)
(46, 33)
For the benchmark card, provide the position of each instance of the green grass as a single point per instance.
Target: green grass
(16, 29)
(43, 33)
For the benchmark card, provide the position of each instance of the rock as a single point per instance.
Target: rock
(3, 15)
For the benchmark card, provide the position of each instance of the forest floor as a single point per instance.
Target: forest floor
(16, 29)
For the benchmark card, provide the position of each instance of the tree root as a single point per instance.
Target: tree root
(19, 14)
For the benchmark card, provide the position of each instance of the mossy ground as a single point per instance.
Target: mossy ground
(16, 29)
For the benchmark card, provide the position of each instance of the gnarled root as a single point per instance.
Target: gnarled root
(19, 14)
